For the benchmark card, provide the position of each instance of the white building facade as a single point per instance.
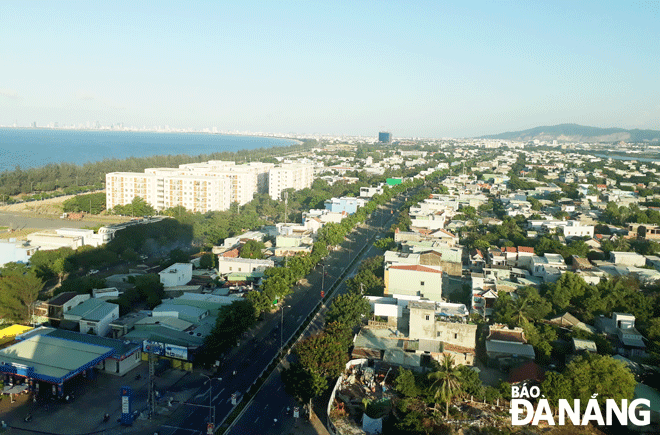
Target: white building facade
(289, 176)
(176, 275)
(199, 187)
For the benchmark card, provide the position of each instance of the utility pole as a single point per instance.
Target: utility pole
(282, 327)
(151, 395)
(211, 421)
(286, 204)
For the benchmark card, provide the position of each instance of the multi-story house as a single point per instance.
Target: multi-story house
(199, 187)
(289, 176)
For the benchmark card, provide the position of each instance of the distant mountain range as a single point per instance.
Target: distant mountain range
(578, 133)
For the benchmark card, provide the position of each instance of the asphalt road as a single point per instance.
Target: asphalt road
(245, 363)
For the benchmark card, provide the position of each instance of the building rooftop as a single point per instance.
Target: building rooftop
(92, 309)
(121, 347)
(416, 268)
(62, 298)
(53, 359)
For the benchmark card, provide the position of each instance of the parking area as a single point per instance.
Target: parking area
(90, 399)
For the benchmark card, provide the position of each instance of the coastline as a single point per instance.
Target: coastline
(33, 148)
(131, 130)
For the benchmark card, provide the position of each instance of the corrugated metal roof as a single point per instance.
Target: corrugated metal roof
(121, 347)
(92, 309)
(52, 359)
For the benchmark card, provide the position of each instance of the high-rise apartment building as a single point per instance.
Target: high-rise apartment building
(385, 137)
(199, 187)
(289, 176)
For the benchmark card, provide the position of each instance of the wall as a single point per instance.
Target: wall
(460, 334)
(408, 282)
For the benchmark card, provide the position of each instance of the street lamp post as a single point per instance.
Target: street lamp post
(323, 278)
(282, 327)
(211, 410)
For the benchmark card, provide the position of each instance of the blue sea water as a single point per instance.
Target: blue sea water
(30, 148)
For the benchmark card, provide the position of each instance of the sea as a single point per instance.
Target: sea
(31, 148)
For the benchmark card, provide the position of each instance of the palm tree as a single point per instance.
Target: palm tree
(446, 384)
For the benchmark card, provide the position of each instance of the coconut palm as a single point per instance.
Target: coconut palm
(446, 384)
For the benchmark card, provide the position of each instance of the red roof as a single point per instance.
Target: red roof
(416, 268)
(526, 249)
(506, 335)
(530, 371)
(446, 232)
(233, 253)
(509, 249)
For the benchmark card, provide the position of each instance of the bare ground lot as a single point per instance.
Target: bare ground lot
(18, 220)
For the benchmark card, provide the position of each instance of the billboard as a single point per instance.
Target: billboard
(178, 352)
(153, 347)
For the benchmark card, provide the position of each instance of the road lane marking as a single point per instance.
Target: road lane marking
(219, 392)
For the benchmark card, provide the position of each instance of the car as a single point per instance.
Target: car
(92, 272)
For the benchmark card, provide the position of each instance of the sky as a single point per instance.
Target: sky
(414, 68)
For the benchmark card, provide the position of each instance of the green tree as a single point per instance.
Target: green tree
(322, 354)
(349, 309)
(206, 261)
(17, 294)
(232, 321)
(406, 384)
(303, 384)
(446, 383)
(260, 301)
(150, 289)
(470, 381)
(252, 249)
(61, 267)
(568, 288)
(591, 373)
(340, 333)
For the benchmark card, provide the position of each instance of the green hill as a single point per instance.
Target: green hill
(579, 133)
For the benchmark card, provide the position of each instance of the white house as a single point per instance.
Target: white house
(627, 258)
(575, 229)
(549, 267)
(176, 275)
(94, 316)
(13, 251)
(245, 265)
(368, 192)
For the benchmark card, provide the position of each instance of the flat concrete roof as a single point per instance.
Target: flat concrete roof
(51, 359)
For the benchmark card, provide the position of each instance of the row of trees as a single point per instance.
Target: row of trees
(323, 356)
(621, 215)
(280, 280)
(91, 176)
(93, 203)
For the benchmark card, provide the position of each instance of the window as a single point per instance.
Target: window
(427, 317)
(421, 283)
(455, 336)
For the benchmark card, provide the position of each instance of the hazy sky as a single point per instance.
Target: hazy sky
(425, 69)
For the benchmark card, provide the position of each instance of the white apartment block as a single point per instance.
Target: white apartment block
(199, 187)
(289, 176)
